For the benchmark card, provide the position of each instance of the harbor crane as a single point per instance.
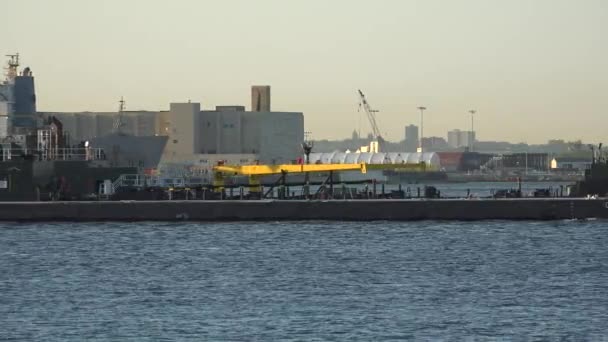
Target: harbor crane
(378, 144)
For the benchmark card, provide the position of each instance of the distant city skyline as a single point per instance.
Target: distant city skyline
(533, 70)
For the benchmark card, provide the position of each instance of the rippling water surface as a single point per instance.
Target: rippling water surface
(304, 281)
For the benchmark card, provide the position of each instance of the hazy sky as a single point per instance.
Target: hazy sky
(534, 69)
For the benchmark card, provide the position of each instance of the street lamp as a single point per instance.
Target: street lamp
(472, 111)
(422, 109)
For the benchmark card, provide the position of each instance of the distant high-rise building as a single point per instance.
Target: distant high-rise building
(454, 138)
(459, 139)
(260, 98)
(411, 138)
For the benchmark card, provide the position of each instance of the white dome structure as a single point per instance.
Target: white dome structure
(431, 159)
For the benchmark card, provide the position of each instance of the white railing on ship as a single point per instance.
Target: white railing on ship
(142, 181)
(64, 154)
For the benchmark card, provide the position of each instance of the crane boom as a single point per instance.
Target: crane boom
(378, 144)
(371, 116)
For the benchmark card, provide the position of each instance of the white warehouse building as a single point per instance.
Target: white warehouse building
(431, 159)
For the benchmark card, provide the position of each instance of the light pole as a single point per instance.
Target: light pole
(472, 111)
(307, 146)
(422, 109)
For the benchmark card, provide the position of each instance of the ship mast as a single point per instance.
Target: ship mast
(13, 65)
(118, 121)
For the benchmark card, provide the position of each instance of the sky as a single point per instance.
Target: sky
(533, 69)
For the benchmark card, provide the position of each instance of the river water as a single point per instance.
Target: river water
(310, 281)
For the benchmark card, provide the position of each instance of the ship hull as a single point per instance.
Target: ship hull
(292, 210)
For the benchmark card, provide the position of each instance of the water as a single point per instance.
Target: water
(377, 281)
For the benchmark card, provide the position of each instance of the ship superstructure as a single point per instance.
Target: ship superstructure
(17, 99)
(38, 160)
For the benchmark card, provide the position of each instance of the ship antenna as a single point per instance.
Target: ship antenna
(13, 65)
(118, 122)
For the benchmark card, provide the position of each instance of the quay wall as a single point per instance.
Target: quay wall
(293, 210)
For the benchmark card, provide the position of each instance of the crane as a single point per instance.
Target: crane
(371, 116)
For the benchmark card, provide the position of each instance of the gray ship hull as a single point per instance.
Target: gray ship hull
(131, 151)
(265, 210)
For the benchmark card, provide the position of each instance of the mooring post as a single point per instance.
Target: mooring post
(374, 188)
(331, 184)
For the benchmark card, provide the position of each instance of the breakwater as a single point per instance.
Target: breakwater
(348, 210)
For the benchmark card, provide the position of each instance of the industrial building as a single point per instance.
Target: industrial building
(264, 136)
(434, 144)
(196, 137)
(463, 161)
(83, 126)
(571, 163)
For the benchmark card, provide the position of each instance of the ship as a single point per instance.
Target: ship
(595, 182)
(126, 150)
(41, 166)
(38, 159)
